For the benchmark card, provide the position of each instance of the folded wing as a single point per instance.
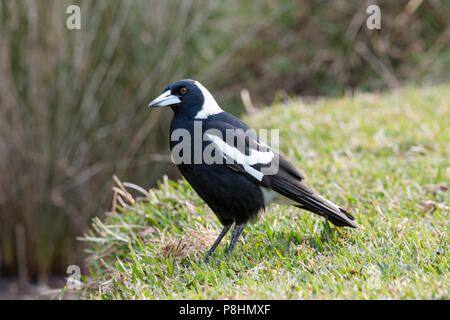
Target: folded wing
(246, 154)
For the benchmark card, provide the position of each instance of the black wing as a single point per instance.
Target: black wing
(248, 155)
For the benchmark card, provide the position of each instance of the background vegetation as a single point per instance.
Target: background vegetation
(73, 103)
(389, 166)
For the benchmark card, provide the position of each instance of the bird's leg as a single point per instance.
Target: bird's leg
(216, 243)
(238, 228)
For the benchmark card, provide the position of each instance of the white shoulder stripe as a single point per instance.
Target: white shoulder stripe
(210, 105)
(255, 156)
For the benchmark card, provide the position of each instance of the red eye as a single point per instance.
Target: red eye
(183, 90)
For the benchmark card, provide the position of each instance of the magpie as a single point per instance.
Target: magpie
(246, 174)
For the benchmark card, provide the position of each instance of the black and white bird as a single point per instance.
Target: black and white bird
(238, 187)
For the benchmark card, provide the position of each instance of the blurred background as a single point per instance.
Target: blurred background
(73, 102)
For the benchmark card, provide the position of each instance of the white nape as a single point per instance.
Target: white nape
(210, 105)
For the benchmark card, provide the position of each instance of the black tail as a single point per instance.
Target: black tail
(309, 200)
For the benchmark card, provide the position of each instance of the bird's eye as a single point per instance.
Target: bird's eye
(183, 90)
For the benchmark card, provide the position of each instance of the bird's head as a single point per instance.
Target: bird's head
(189, 98)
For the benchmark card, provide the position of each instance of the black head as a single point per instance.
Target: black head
(187, 97)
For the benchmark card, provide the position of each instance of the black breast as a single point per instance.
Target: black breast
(232, 196)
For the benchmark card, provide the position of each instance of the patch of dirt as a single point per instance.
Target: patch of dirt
(12, 289)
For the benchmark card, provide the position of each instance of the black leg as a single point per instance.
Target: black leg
(216, 243)
(234, 237)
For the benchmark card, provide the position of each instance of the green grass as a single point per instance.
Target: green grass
(385, 157)
(73, 102)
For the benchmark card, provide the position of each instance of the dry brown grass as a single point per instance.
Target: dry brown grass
(193, 242)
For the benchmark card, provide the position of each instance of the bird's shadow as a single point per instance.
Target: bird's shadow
(286, 242)
(321, 242)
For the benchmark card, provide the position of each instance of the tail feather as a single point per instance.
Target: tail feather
(311, 201)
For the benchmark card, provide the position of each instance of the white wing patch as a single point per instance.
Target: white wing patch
(330, 203)
(210, 105)
(255, 156)
(270, 196)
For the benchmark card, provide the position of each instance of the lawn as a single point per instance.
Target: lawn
(385, 157)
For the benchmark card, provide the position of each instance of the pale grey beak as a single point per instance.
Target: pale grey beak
(165, 99)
